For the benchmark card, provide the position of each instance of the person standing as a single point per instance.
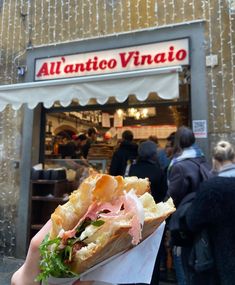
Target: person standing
(92, 139)
(184, 177)
(147, 165)
(80, 140)
(214, 210)
(127, 150)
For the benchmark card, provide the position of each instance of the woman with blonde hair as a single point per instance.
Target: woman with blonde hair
(223, 159)
(214, 210)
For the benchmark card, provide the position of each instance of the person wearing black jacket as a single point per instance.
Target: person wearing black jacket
(147, 165)
(127, 150)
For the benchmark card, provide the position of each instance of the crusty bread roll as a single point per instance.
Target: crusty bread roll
(101, 187)
(128, 212)
(116, 238)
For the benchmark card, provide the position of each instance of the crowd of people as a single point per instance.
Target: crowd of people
(78, 146)
(176, 171)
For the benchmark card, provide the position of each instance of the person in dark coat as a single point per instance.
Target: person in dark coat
(92, 138)
(184, 177)
(214, 210)
(128, 150)
(183, 172)
(147, 165)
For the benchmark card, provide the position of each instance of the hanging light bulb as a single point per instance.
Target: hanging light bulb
(144, 113)
(120, 113)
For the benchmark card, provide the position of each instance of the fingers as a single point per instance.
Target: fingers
(27, 273)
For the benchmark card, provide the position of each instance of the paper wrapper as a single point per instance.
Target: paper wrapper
(133, 266)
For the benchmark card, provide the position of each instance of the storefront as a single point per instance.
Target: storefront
(149, 68)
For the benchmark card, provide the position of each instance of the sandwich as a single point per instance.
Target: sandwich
(105, 216)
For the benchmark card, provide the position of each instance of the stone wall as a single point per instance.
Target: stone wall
(29, 23)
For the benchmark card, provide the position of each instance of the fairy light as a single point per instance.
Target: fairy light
(138, 14)
(210, 73)
(147, 14)
(13, 44)
(89, 32)
(129, 14)
(231, 44)
(105, 18)
(193, 9)
(113, 16)
(222, 71)
(156, 12)
(42, 22)
(122, 16)
(173, 12)
(7, 40)
(165, 12)
(97, 17)
(2, 26)
(55, 21)
(35, 32)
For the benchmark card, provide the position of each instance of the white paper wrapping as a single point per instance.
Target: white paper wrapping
(133, 266)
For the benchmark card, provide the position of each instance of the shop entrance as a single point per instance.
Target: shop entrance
(153, 117)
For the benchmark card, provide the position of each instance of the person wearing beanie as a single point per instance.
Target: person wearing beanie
(147, 165)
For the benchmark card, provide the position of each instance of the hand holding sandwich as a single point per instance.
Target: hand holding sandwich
(28, 272)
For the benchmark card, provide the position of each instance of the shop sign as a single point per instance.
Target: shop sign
(164, 54)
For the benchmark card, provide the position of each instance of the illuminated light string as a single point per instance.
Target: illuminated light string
(223, 113)
(194, 10)
(210, 73)
(129, 14)
(97, 17)
(42, 23)
(1, 33)
(165, 11)
(7, 41)
(203, 5)
(231, 44)
(156, 12)
(75, 32)
(173, 14)
(13, 66)
(90, 17)
(122, 16)
(113, 16)
(105, 18)
(138, 13)
(69, 20)
(147, 23)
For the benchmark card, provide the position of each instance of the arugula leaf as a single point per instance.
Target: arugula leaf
(98, 223)
(53, 258)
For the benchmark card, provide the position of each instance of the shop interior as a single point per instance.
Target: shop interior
(61, 175)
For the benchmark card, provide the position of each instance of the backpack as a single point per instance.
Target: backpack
(180, 235)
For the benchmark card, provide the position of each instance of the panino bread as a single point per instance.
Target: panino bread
(106, 215)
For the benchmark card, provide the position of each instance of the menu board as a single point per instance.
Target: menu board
(143, 132)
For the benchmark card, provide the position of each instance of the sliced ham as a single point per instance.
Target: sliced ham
(127, 206)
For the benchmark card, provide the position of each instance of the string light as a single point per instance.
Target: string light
(210, 73)
(231, 44)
